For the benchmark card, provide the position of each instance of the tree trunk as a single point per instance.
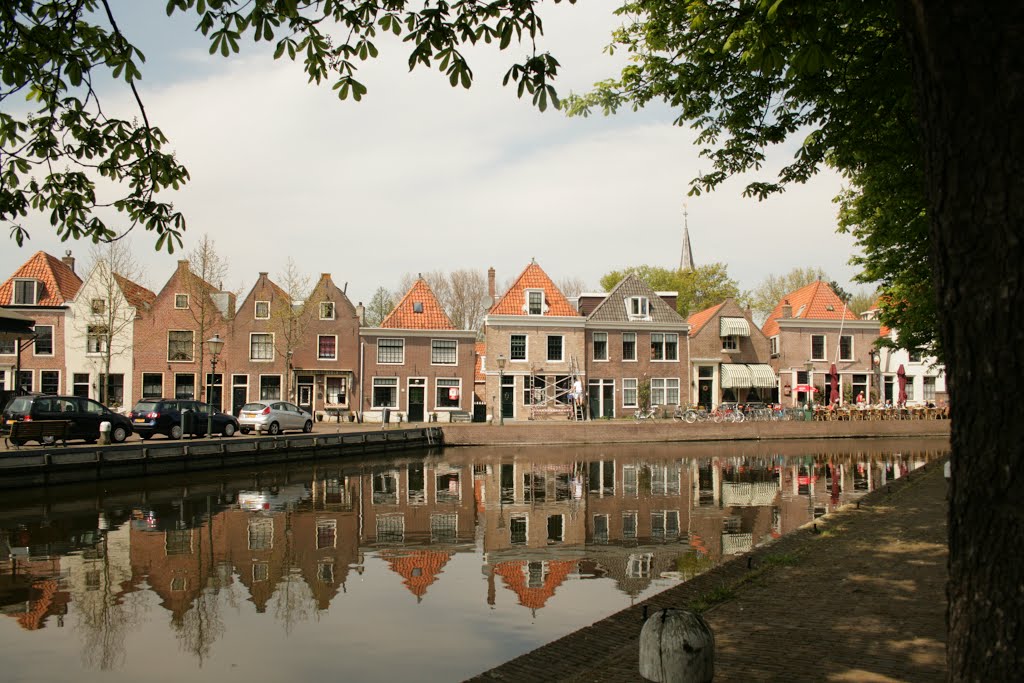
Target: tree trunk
(969, 73)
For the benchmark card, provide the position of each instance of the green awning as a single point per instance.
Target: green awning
(735, 376)
(734, 326)
(762, 376)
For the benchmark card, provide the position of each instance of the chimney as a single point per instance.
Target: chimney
(69, 260)
(361, 313)
(263, 275)
(183, 265)
(787, 310)
(490, 283)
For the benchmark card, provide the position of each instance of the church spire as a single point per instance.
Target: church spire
(686, 257)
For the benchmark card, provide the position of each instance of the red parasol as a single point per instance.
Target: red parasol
(901, 375)
(805, 387)
(833, 379)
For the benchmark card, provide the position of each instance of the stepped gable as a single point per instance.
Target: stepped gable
(418, 568)
(514, 575)
(815, 301)
(699, 320)
(419, 309)
(137, 296)
(613, 308)
(513, 302)
(60, 283)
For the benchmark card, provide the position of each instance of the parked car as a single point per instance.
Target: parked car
(165, 416)
(84, 414)
(273, 417)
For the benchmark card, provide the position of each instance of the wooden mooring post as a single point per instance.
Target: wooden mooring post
(677, 646)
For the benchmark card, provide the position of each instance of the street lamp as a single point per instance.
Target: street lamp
(809, 367)
(874, 356)
(501, 388)
(214, 344)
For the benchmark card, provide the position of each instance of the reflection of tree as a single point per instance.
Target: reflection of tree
(200, 627)
(105, 617)
(295, 601)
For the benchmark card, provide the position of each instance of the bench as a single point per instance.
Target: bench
(459, 416)
(38, 430)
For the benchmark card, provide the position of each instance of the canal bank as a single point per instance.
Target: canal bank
(859, 595)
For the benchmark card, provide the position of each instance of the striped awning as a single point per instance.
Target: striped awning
(735, 375)
(762, 376)
(733, 326)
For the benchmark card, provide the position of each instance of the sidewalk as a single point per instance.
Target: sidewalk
(861, 597)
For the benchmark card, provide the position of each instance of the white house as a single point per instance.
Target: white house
(926, 377)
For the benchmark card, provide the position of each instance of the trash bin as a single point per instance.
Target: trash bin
(188, 422)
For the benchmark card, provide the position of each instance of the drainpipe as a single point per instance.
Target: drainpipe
(689, 370)
(362, 349)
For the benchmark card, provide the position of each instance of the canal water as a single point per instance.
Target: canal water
(431, 567)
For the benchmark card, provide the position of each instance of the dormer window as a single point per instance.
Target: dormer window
(99, 306)
(26, 292)
(535, 302)
(263, 310)
(181, 301)
(638, 308)
(327, 310)
(417, 307)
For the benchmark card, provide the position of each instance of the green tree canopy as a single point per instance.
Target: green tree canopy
(698, 288)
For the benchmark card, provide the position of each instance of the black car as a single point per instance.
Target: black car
(85, 416)
(167, 416)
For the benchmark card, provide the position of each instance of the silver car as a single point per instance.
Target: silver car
(273, 417)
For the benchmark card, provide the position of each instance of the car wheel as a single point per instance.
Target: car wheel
(274, 429)
(308, 427)
(118, 434)
(175, 432)
(245, 430)
(229, 429)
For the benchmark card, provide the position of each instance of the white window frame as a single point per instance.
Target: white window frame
(59, 385)
(773, 345)
(102, 340)
(824, 347)
(53, 345)
(664, 345)
(455, 360)
(630, 385)
(266, 312)
(661, 388)
(280, 387)
(730, 343)
(625, 358)
(192, 352)
(448, 385)
(607, 355)
(13, 348)
(331, 314)
(344, 390)
(401, 346)
(76, 384)
(638, 308)
(853, 351)
(273, 349)
(547, 347)
(98, 306)
(177, 299)
(195, 386)
(35, 292)
(526, 348)
(527, 308)
(374, 383)
(319, 355)
(142, 385)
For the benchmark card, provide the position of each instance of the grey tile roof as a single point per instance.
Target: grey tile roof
(613, 309)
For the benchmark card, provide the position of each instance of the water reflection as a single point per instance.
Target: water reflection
(619, 524)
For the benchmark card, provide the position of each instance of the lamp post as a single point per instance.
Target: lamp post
(809, 367)
(874, 357)
(214, 344)
(501, 388)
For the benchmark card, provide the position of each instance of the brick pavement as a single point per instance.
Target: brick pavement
(859, 597)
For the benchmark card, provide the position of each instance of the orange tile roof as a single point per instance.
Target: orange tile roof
(533, 277)
(138, 296)
(811, 302)
(700, 319)
(60, 284)
(418, 568)
(431, 317)
(513, 575)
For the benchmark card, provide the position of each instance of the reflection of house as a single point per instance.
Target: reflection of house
(729, 356)
(416, 362)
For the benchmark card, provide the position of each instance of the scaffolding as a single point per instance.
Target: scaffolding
(551, 395)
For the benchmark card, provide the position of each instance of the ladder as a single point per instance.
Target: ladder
(574, 376)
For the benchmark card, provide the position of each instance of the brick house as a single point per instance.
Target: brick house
(729, 357)
(416, 363)
(41, 289)
(540, 338)
(171, 355)
(808, 331)
(636, 342)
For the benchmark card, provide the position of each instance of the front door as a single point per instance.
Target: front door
(417, 399)
(508, 394)
(704, 392)
(238, 396)
(601, 397)
(304, 393)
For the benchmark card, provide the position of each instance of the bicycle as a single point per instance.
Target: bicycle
(646, 413)
(694, 414)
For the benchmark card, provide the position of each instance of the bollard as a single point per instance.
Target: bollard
(677, 646)
(105, 432)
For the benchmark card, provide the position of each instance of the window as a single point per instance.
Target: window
(49, 381)
(916, 355)
(181, 301)
(96, 339)
(152, 385)
(25, 380)
(773, 345)
(178, 541)
(326, 533)
(638, 308)
(929, 389)
(638, 566)
(600, 528)
(179, 345)
(385, 392)
(391, 351)
(910, 389)
(261, 533)
(517, 530)
(846, 347)
(517, 347)
(44, 340)
(449, 392)
(26, 292)
(730, 343)
(629, 393)
(184, 385)
(260, 571)
(336, 390)
(262, 310)
(327, 347)
(629, 346)
(391, 529)
(261, 346)
(7, 347)
(535, 301)
(664, 346)
(629, 525)
(665, 391)
(270, 387)
(859, 385)
(554, 347)
(112, 390)
(443, 351)
(99, 306)
(327, 310)
(80, 385)
(325, 572)
(600, 346)
(817, 347)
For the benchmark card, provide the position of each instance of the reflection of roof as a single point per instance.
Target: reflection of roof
(418, 568)
(47, 598)
(515, 575)
(59, 282)
(419, 309)
(815, 301)
(533, 277)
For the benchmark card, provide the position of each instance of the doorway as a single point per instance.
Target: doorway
(508, 394)
(601, 395)
(417, 399)
(304, 385)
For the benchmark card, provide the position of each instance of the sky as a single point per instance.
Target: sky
(421, 177)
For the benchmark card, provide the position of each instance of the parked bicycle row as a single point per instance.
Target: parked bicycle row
(725, 412)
